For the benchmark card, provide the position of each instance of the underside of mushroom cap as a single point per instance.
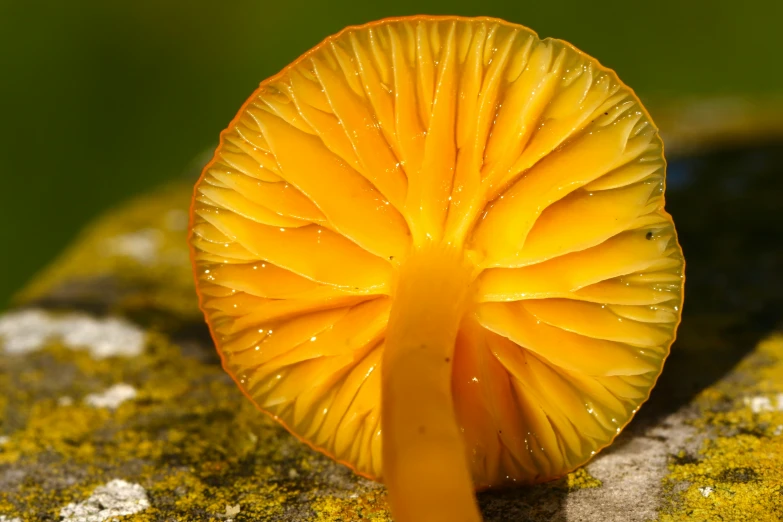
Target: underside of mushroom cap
(526, 156)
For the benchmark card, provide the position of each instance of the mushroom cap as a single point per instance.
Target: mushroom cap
(527, 155)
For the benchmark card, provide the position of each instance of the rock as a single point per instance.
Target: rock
(114, 402)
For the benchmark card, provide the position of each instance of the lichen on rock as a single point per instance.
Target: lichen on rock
(738, 472)
(185, 435)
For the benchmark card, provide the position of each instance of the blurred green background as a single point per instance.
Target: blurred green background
(103, 100)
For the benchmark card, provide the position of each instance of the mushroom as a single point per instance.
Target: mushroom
(435, 249)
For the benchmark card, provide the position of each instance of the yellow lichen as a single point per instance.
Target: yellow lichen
(370, 506)
(738, 473)
(189, 437)
(581, 479)
(737, 478)
(60, 429)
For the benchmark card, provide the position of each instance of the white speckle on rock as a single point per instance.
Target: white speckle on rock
(29, 330)
(631, 471)
(760, 403)
(142, 245)
(26, 331)
(778, 430)
(4, 440)
(115, 499)
(706, 490)
(3, 518)
(232, 511)
(105, 337)
(112, 397)
(65, 401)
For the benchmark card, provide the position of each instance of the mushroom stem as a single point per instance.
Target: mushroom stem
(425, 464)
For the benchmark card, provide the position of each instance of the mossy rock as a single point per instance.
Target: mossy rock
(114, 404)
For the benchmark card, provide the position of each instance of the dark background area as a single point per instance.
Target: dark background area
(104, 100)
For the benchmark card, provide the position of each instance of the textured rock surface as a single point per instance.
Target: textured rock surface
(113, 401)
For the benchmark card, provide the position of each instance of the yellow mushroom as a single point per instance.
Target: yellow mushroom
(435, 249)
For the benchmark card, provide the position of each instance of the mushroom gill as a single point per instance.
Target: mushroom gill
(436, 250)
